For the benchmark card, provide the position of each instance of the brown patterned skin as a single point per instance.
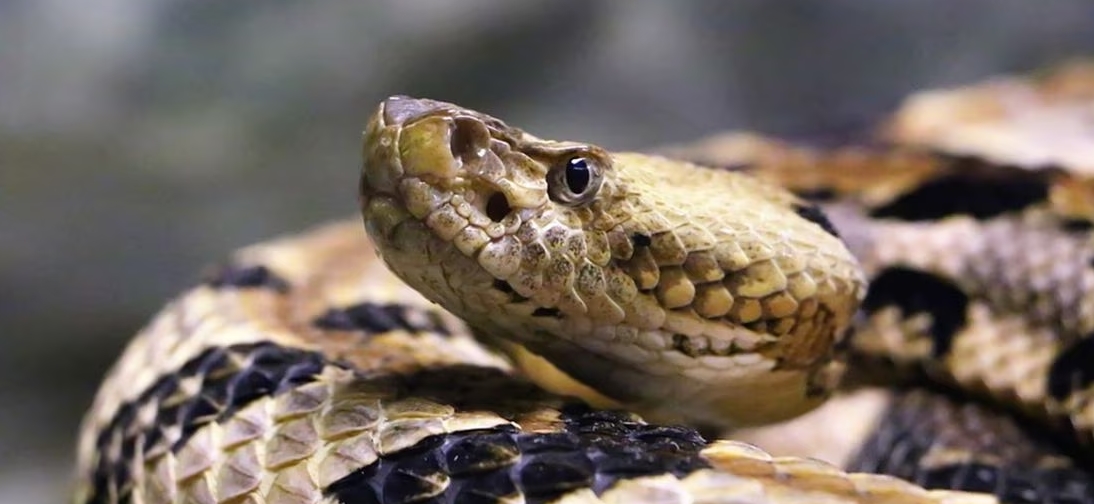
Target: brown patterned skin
(183, 417)
(305, 372)
(980, 273)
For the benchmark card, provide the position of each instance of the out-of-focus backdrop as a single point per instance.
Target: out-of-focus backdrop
(143, 140)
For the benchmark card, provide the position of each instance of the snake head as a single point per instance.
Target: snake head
(472, 176)
(670, 288)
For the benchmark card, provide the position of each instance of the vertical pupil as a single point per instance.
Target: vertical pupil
(577, 175)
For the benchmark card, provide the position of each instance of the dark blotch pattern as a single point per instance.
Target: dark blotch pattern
(814, 214)
(915, 291)
(641, 240)
(1073, 369)
(376, 318)
(594, 450)
(244, 277)
(231, 377)
(971, 187)
(1024, 465)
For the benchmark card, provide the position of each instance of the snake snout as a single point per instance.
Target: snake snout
(401, 109)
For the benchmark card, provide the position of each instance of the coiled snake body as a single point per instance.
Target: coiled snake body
(303, 371)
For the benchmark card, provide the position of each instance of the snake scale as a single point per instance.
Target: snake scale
(553, 322)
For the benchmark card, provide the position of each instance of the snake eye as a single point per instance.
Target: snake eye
(574, 182)
(577, 175)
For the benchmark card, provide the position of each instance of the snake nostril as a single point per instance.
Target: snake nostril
(468, 140)
(497, 207)
(400, 109)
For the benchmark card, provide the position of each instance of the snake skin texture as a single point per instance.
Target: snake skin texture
(937, 442)
(298, 374)
(543, 290)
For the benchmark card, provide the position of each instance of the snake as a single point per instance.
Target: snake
(528, 320)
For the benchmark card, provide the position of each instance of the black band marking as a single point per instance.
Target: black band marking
(266, 370)
(814, 214)
(376, 318)
(973, 187)
(595, 450)
(1073, 369)
(915, 291)
(244, 277)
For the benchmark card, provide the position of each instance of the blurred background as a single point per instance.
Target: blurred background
(143, 140)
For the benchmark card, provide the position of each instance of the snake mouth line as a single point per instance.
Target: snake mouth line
(703, 346)
(693, 346)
